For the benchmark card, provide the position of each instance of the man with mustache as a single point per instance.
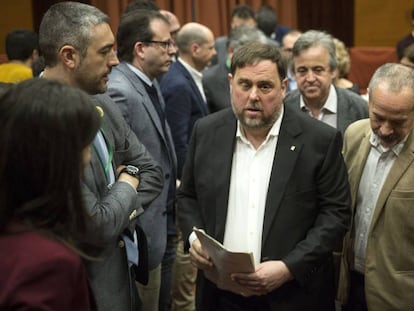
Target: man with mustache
(122, 178)
(266, 179)
(315, 68)
(145, 49)
(377, 266)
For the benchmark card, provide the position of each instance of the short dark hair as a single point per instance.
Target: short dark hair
(254, 52)
(44, 128)
(20, 44)
(266, 20)
(142, 5)
(134, 26)
(243, 12)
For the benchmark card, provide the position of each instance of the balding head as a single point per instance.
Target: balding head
(174, 23)
(195, 44)
(193, 33)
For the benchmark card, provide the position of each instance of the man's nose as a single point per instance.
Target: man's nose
(386, 129)
(113, 61)
(254, 93)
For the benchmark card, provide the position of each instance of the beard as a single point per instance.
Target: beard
(260, 121)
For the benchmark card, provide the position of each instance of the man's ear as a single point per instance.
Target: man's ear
(69, 56)
(194, 48)
(139, 50)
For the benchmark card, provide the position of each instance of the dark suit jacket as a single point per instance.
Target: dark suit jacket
(129, 93)
(184, 105)
(351, 107)
(110, 208)
(216, 87)
(307, 208)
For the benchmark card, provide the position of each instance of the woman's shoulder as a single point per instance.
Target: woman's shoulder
(33, 248)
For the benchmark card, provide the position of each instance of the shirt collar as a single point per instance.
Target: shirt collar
(140, 74)
(330, 105)
(375, 143)
(274, 131)
(196, 75)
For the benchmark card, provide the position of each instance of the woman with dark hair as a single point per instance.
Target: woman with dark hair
(46, 129)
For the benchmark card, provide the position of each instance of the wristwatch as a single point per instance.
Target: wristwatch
(130, 170)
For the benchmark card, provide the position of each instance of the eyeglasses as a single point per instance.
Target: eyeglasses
(164, 44)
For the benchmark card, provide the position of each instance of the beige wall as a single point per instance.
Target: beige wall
(14, 14)
(381, 22)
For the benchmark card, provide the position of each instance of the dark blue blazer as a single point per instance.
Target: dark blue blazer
(184, 105)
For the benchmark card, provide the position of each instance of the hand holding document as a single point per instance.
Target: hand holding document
(225, 263)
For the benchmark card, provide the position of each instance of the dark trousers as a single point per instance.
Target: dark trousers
(136, 302)
(227, 301)
(357, 301)
(166, 273)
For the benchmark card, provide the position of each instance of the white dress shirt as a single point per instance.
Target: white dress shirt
(197, 77)
(249, 183)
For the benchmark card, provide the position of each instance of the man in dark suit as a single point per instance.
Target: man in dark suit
(182, 88)
(267, 180)
(215, 78)
(145, 49)
(185, 103)
(78, 46)
(315, 67)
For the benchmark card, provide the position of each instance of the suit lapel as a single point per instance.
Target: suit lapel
(343, 116)
(223, 135)
(401, 164)
(356, 169)
(95, 168)
(140, 88)
(200, 100)
(287, 151)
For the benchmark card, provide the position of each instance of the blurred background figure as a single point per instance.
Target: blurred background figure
(43, 222)
(408, 56)
(407, 40)
(343, 66)
(215, 78)
(174, 23)
(142, 5)
(241, 15)
(287, 45)
(267, 22)
(21, 49)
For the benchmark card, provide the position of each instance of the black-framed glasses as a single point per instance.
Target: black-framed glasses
(164, 44)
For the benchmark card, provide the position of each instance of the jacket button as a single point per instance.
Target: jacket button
(121, 244)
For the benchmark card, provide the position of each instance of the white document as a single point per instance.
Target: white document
(225, 263)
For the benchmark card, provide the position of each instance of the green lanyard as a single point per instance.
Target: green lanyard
(106, 162)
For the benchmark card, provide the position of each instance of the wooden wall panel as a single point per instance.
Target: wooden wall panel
(381, 23)
(14, 15)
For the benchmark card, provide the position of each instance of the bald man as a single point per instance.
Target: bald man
(185, 103)
(174, 23)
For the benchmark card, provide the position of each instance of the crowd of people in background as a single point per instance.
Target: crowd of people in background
(116, 145)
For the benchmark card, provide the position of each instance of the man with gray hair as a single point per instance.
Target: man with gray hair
(78, 47)
(314, 67)
(377, 263)
(215, 78)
